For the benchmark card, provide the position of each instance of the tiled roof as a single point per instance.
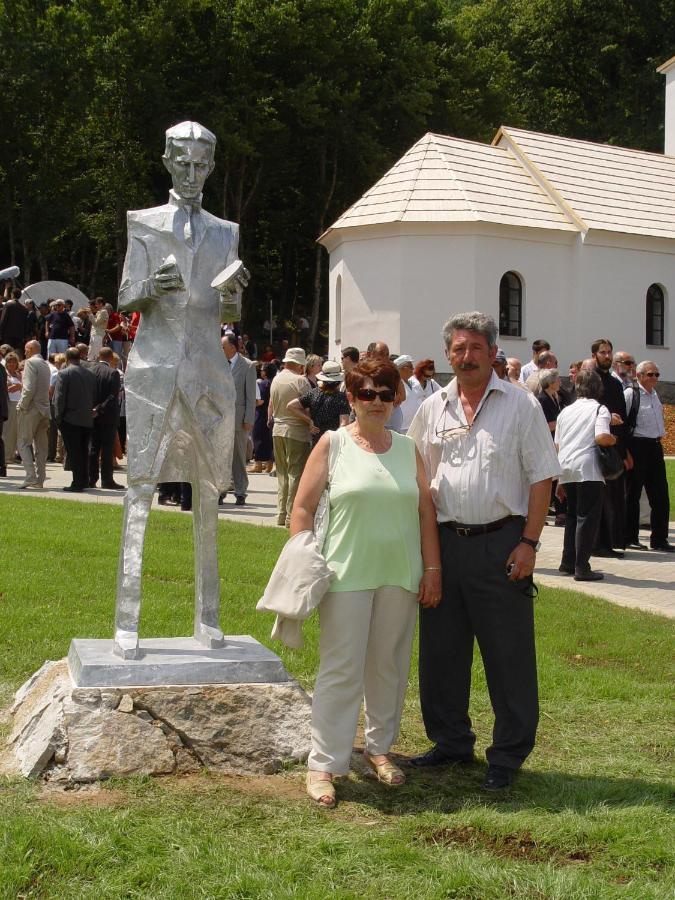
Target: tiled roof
(525, 179)
(445, 179)
(606, 187)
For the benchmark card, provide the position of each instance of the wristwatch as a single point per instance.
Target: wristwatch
(526, 540)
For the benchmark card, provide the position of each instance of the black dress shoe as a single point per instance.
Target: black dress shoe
(498, 778)
(588, 576)
(566, 570)
(438, 757)
(663, 548)
(73, 489)
(637, 546)
(608, 554)
(240, 501)
(113, 486)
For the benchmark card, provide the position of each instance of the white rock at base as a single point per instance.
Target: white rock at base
(80, 735)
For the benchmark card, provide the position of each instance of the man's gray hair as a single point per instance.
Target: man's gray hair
(548, 377)
(644, 365)
(186, 131)
(471, 321)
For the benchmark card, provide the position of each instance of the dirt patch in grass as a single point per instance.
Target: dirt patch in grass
(579, 660)
(520, 846)
(85, 795)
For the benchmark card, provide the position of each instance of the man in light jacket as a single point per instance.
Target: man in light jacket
(33, 414)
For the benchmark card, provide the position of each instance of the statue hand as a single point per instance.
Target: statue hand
(167, 277)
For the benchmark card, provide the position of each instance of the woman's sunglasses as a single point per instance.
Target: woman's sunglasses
(367, 395)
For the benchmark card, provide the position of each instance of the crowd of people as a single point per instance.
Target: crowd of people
(437, 492)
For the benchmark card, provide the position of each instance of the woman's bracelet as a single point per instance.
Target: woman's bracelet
(432, 568)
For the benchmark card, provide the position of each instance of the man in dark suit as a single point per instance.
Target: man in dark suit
(74, 400)
(612, 532)
(13, 322)
(106, 419)
(243, 373)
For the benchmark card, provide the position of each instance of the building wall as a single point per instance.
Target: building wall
(401, 286)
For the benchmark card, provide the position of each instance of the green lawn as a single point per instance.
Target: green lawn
(588, 817)
(670, 472)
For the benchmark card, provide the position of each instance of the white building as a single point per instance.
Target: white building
(556, 238)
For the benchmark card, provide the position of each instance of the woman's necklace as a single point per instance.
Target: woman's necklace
(380, 446)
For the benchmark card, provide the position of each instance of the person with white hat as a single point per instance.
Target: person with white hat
(327, 406)
(405, 365)
(290, 435)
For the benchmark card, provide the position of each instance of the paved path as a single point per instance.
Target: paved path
(644, 579)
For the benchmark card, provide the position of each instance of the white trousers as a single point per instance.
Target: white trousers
(365, 643)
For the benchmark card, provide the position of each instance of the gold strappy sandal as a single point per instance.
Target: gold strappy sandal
(321, 790)
(386, 772)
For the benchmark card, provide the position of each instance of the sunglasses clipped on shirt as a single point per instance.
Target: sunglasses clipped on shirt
(367, 395)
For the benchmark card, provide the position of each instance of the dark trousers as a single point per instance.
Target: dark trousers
(480, 602)
(76, 439)
(584, 508)
(3, 470)
(177, 492)
(103, 444)
(612, 530)
(649, 471)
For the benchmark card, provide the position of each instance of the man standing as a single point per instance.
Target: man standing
(98, 317)
(14, 322)
(59, 328)
(243, 373)
(74, 399)
(623, 367)
(33, 415)
(649, 469)
(413, 399)
(545, 360)
(106, 419)
(290, 435)
(612, 532)
(489, 458)
(537, 347)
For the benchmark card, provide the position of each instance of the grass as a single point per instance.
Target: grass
(670, 474)
(587, 818)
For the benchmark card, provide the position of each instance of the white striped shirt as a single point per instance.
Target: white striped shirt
(486, 474)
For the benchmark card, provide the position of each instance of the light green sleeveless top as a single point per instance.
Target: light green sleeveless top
(373, 537)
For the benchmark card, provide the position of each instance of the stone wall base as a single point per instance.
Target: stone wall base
(80, 735)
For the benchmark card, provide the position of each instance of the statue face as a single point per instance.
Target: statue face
(190, 163)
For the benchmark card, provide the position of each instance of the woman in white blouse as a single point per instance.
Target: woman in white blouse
(422, 382)
(14, 391)
(580, 429)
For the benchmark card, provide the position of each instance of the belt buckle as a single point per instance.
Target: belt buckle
(464, 532)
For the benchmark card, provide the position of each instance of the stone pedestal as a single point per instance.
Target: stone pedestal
(79, 734)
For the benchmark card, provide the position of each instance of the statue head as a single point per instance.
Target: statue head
(189, 157)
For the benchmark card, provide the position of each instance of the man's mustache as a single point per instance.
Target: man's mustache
(467, 367)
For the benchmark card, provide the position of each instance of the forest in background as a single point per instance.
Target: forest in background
(311, 101)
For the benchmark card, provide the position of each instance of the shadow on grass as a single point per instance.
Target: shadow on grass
(448, 790)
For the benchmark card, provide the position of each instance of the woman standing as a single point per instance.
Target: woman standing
(327, 406)
(581, 428)
(312, 368)
(423, 382)
(263, 455)
(10, 434)
(382, 544)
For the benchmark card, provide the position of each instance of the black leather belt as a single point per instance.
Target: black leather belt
(473, 530)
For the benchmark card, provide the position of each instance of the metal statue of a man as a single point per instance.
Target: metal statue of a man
(180, 395)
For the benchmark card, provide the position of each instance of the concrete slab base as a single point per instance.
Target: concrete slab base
(174, 661)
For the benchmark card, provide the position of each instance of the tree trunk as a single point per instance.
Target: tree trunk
(318, 255)
(94, 271)
(27, 264)
(9, 206)
(44, 268)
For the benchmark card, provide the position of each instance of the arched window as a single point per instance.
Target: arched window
(338, 310)
(511, 305)
(656, 311)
